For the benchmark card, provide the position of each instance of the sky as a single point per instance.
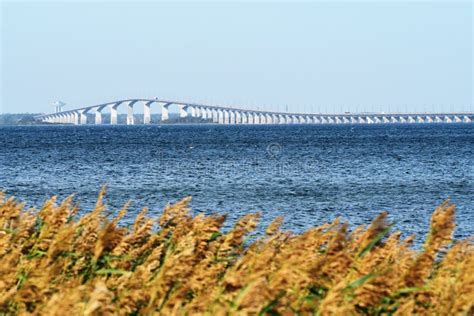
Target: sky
(320, 56)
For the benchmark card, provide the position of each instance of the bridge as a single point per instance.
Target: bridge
(230, 115)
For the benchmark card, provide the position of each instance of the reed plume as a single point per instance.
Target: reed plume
(53, 261)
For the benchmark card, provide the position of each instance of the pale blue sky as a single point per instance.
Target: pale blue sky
(309, 56)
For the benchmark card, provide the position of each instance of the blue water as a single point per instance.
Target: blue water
(308, 174)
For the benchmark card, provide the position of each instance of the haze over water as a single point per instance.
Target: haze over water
(309, 174)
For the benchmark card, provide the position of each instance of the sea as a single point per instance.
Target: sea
(309, 174)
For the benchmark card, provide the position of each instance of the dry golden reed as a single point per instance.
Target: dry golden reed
(53, 262)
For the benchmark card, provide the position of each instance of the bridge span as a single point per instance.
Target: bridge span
(229, 115)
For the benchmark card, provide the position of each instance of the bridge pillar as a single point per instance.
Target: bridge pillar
(268, 119)
(203, 113)
(385, 120)
(226, 116)
(82, 117)
(215, 116)
(231, 117)
(419, 119)
(256, 118)
(238, 117)
(130, 118)
(466, 119)
(457, 119)
(345, 120)
(75, 118)
(98, 117)
(146, 112)
(330, 120)
(220, 116)
(280, 119)
(428, 119)
(114, 114)
(165, 112)
(377, 120)
(250, 118)
(263, 118)
(182, 111)
(210, 116)
(275, 119)
(447, 119)
(244, 118)
(360, 120)
(369, 120)
(338, 120)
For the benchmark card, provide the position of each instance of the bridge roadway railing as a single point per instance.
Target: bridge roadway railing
(230, 115)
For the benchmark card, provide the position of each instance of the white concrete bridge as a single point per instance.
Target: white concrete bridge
(228, 115)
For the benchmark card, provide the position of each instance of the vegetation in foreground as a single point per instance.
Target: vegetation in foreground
(52, 262)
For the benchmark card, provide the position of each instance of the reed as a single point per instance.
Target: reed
(53, 262)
